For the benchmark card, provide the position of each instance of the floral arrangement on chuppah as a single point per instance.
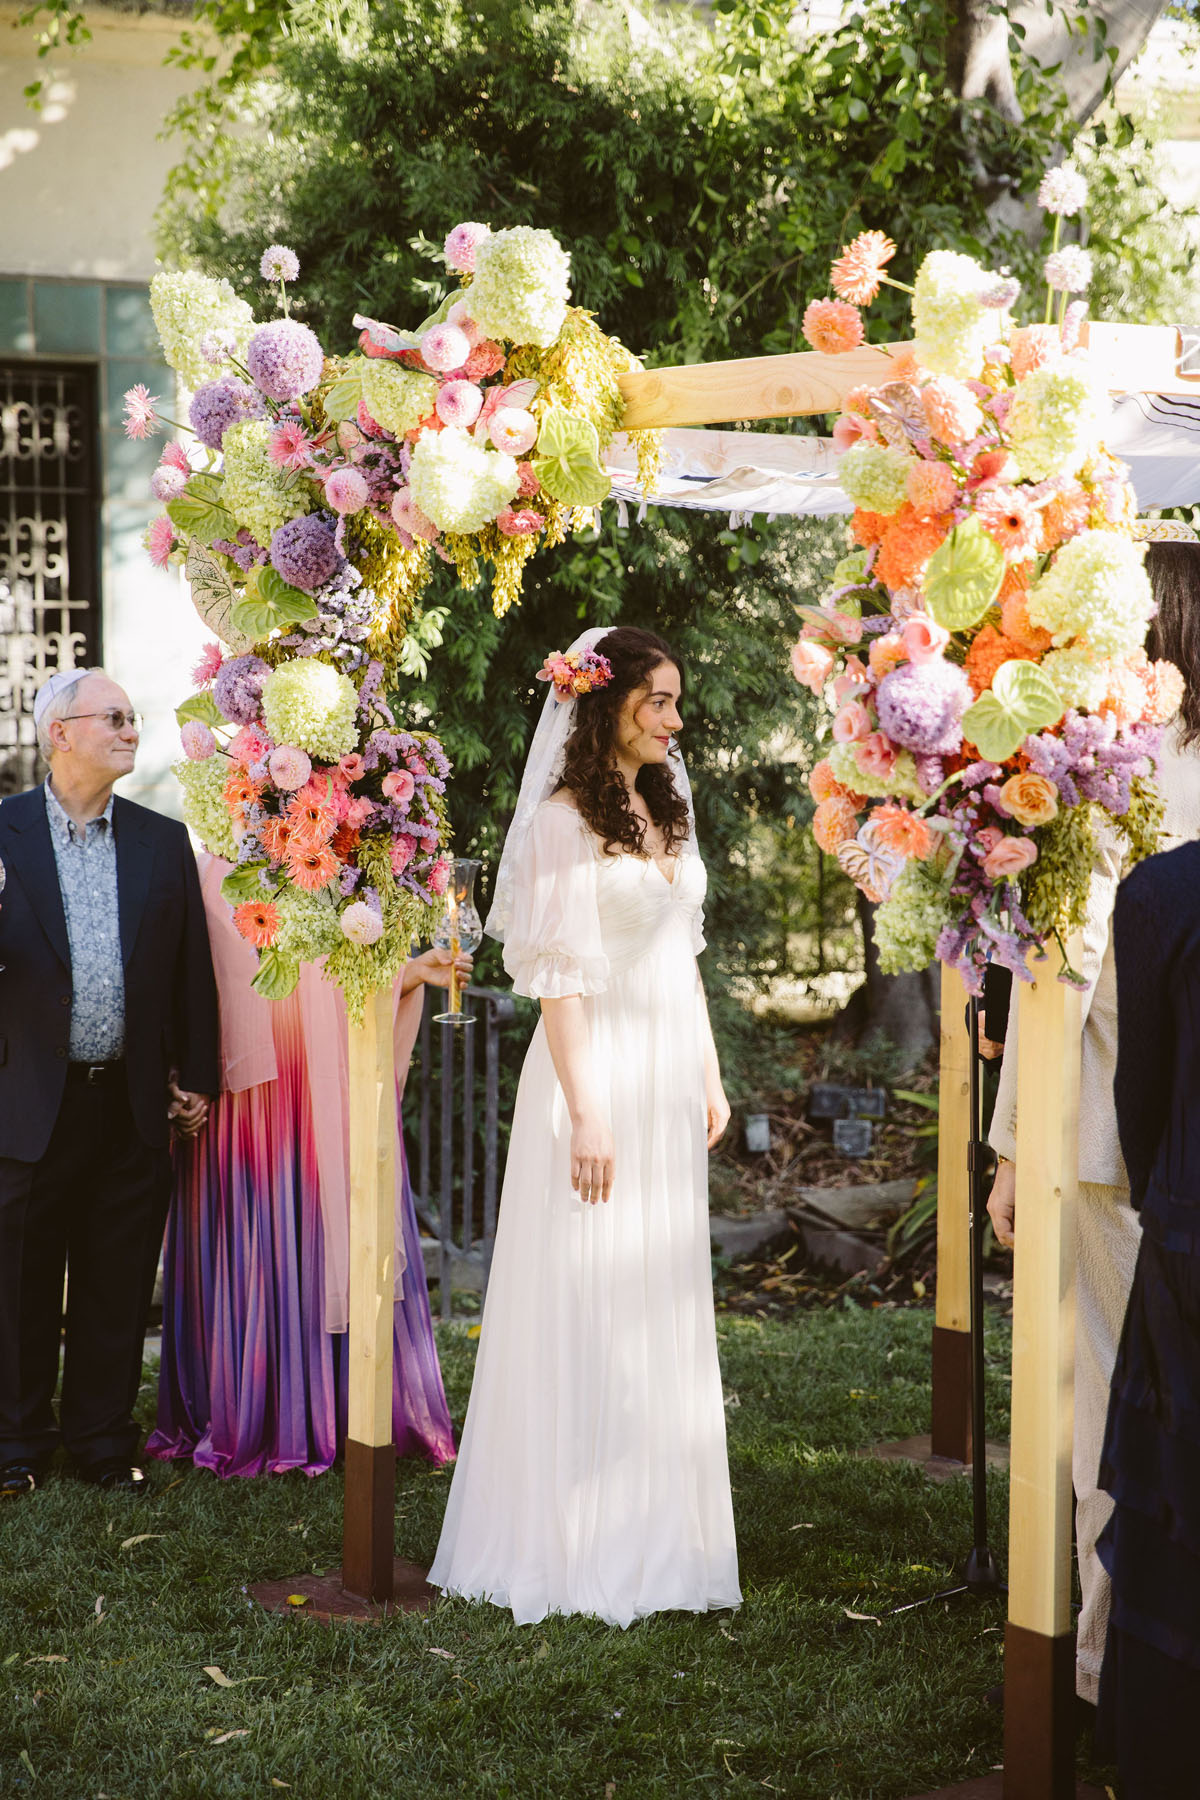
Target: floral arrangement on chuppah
(306, 516)
(981, 649)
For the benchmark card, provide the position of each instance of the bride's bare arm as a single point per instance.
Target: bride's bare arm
(591, 1138)
(715, 1104)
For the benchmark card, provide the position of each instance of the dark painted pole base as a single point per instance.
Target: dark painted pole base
(324, 1598)
(951, 1422)
(992, 1787)
(367, 1521)
(1039, 1715)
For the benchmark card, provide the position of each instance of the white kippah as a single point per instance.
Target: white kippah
(52, 688)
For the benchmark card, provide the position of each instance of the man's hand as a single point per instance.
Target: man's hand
(1002, 1204)
(187, 1112)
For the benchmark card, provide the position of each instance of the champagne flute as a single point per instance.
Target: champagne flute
(459, 930)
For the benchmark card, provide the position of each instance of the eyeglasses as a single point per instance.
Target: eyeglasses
(115, 718)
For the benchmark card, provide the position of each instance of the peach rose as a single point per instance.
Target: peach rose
(923, 640)
(852, 723)
(886, 654)
(1030, 798)
(852, 428)
(853, 681)
(811, 664)
(1009, 857)
(876, 755)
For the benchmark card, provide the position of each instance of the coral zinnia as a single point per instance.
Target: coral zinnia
(855, 275)
(832, 327)
(1010, 520)
(908, 543)
(258, 922)
(311, 868)
(903, 832)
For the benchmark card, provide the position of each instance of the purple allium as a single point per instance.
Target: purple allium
(222, 403)
(303, 552)
(920, 706)
(285, 359)
(279, 264)
(238, 688)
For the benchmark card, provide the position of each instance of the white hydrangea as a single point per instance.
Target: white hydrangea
(459, 484)
(260, 495)
(907, 926)
(952, 328)
(189, 307)
(396, 398)
(874, 477)
(1096, 589)
(522, 286)
(1055, 421)
(1081, 680)
(312, 705)
(204, 806)
(308, 924)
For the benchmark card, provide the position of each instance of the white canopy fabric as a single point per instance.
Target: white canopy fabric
(749, 473)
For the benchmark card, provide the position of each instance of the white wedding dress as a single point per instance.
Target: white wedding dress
(592, 1475)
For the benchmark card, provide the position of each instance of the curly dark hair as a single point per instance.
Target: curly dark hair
(590, 772)
(1174, 571)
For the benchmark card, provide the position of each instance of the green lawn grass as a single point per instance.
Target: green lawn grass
(104, 1643)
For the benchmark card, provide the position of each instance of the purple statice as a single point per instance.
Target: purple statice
(222, 403)
(920, 706)
(245, 550)
(370, 696)
(976, 773)
(237, 690)
(304, 553)
(348, 880)
(285, 359)
(345, 617)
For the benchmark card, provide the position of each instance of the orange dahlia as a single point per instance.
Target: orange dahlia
(311, 868)
(908, 543)
(832, 327)
(823, 784)
(1063, 516)
(988, 651)
(835, 822)
(855, 274)
(344, 841)
(258, 922)
(932, 488)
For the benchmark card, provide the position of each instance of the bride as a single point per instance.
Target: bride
(592, 1475)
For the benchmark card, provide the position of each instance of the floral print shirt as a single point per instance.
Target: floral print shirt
(87, 876)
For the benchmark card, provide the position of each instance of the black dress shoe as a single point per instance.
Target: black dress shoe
(18, 1479)
(115, 1476)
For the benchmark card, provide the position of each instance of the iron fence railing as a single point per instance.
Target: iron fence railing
(457, 1185)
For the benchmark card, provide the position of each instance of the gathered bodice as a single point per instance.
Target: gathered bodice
(639, 907)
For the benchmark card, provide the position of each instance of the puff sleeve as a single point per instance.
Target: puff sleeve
(553, 946)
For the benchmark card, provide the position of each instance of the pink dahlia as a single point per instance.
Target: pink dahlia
(197, 740)
(290, 446)
(209, 665)
(288, 767)
(458, 315)
(167, 482)
(160, 541)
(461, 245)
(346, 491)
(932, 488)
(459, 403)
(407, 516)
(445, 347)
(519, 523)
(832, 326)
(361, 923)
(141, 419)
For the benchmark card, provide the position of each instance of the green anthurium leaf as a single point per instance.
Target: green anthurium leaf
(270, 603)
(198, 510)
(1022, 699)
(245, 883)
(201, 706)
(214, 595)
(568, 461)
(963, 577)
(277, 975)
(341, 402)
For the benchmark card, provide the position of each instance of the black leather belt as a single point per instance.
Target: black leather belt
(94, 1073)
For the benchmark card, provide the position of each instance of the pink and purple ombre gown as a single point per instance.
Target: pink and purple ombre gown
(253, 1378)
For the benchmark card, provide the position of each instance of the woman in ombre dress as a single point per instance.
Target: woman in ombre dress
(255, 1293)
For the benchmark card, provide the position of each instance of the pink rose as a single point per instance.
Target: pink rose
(401, 853)
(439, 876)
(876, 755)
(352, 766)
(853, 681)
(852, 723)
(1007, 858)
(357, 812)
(399, 786)
(923, 640)
(522, 523)
(987, 839)
(811, 664)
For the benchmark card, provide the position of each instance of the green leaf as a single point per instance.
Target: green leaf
(270, 604)
(198, 510)
(277, 975)
(963, 577)
(201, 706)
(568, 462)
(244, 883)
(1022, 699)
(341, 402)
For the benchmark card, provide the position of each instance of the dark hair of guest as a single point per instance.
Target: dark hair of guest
(1174, 571)
(590, 772)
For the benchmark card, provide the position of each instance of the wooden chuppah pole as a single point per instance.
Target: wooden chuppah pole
(950, 1428)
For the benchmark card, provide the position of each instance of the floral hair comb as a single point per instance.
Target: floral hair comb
(576, 673)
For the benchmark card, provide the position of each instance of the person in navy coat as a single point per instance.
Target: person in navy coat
(108, 1041)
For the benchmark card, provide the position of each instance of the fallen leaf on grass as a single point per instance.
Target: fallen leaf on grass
(10, 1660)
(447, 1654)
(217, 1675)
(275, 1782)
(27, 1760)
(143, 1537)
(223, 1737)
(99, 1607)
(803, 1526)
(865, 1618)
(33, 1659)
(610, 1788)
(296, 1600)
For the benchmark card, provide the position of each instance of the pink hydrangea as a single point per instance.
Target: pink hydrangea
(399, 786)
(197, 740)
(461, 245)
(361, 923)
(288, 767)
(439, 876)
(513, 430)
(523, 522)
(346, 491)
(445, 347)
(459, 403)
(209, 665)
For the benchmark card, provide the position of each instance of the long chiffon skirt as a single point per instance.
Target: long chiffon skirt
(251, 1382)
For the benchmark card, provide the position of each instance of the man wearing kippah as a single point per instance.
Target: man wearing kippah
(108, 1032)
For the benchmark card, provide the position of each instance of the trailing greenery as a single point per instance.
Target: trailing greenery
(115, 1611)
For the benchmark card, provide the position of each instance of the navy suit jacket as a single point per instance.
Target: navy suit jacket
(170, 994)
